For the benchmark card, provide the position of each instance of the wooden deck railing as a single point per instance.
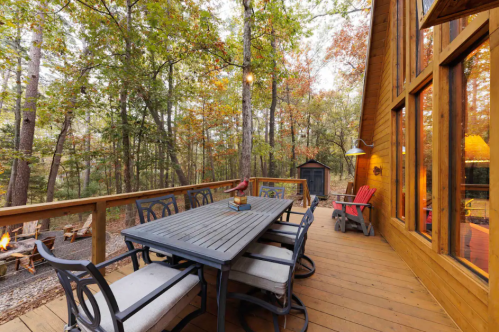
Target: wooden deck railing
(98, 205)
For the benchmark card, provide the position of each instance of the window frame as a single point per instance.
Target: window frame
(453, 159)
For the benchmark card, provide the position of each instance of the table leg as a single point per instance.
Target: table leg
(222, 297)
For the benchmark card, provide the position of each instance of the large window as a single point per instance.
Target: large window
(459, 25)
(401, 46)
(424, 161)
(470, 159)
(424, 49)
(400, 163)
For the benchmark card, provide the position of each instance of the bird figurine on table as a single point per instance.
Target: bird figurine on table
(241, 187)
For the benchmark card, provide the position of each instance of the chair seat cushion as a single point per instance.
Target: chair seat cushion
(156, 315)
(281, 238)
(269, 276)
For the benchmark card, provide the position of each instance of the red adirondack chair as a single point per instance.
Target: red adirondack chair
(351, 212)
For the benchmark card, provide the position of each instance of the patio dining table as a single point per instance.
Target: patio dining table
(213, 235)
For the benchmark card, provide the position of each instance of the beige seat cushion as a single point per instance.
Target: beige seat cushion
(281, 238)
(265, 275)
(156, 315)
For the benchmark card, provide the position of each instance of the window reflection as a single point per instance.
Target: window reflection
(459, 25)
(401, 46)
(424, 141)
(470, 167)
(424, 49)
(400, 146)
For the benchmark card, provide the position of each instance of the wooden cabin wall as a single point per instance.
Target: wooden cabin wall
(462, 294)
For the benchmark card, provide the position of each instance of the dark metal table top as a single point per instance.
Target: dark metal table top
(212, 234)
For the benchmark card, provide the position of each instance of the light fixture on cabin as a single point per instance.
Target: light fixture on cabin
(476, 150)
(356, 151)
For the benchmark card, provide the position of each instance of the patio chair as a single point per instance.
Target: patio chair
(285, 234)
(29, 229)
(272, 192)
(28, 261)
(167, 206)
(351, 212)
(76, 233)
(146, 300)
(271, 269)
(199, 197)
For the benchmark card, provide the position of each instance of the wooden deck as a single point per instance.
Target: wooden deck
(361, 285)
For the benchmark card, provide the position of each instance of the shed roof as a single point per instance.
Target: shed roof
(313, 161)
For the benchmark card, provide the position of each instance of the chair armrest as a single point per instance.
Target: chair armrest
(39, 226)
(294, 212)
(354, 204)
(347, 195)
(16, 230)
(137, 306)
(269, 259)
(18, 255)
(286, 223)
(277, 231)
(112, 260)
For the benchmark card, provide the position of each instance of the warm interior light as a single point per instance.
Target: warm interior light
(476, 150)
(250, 78)
(355, 154)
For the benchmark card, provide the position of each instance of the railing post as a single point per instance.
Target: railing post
(99, 233)
(255, 187)
(233, 193)
(305, 193)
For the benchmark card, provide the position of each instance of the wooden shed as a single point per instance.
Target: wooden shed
(317, 175)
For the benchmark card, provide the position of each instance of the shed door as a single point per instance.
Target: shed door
(315, 180)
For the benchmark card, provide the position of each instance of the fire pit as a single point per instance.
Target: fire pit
(7, 247)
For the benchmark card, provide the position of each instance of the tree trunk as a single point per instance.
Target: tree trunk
(210, 155)
(20, 196)
(129, 215)
(171, 145)
(246, 94)
(17, 121)
(137, 163)
(4, 88)
(272, 166)
(292, 171)
(86, 174)
(56, 161)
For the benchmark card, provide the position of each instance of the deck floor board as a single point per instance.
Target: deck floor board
(361, 285)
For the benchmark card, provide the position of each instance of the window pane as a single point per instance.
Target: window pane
(424, 49)
(401, 46)
(401, 164)
(471, 159)
(424, 141)
(426, 5)
(459, 25)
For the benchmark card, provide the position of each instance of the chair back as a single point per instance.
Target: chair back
(306, 222)
(90, 275)
(272, 192)
(199, 197)
(86, 226)
(158, 207)
(30, 227)
(363, 196)
(314, 204)
(49, 244)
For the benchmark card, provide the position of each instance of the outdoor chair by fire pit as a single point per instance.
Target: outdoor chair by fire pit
(28, 261)
(76, 233)
(154, 208)
(199, 197)
(147, 300)
(285, 234)
(351, 212)
(271, 269)
(28, 230)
